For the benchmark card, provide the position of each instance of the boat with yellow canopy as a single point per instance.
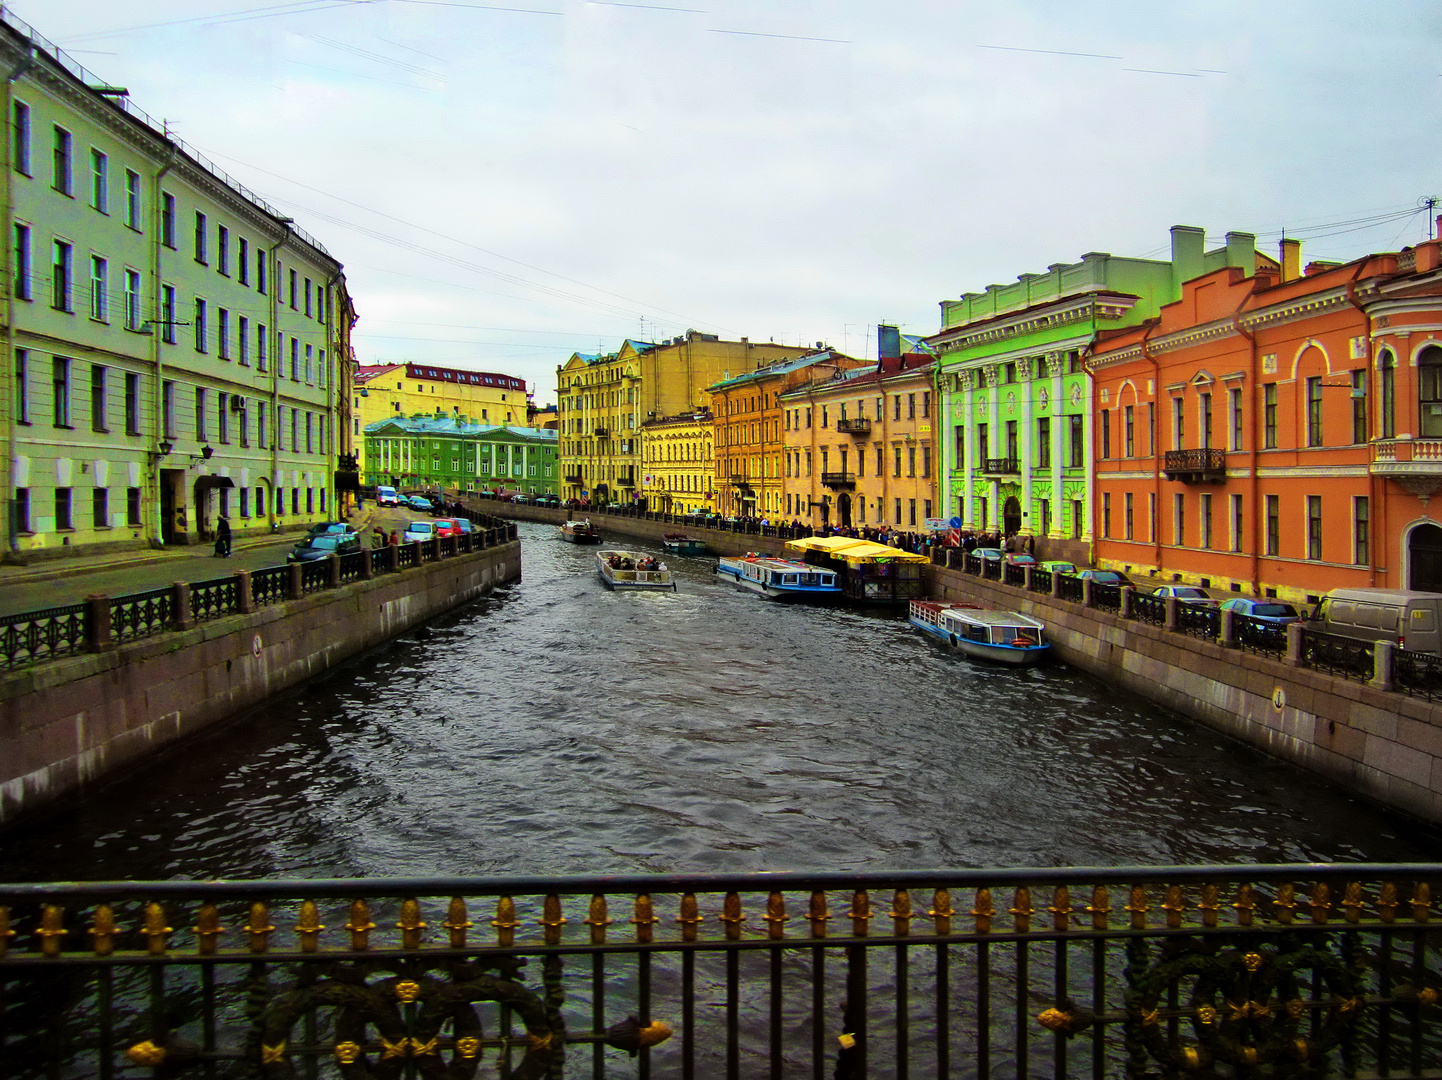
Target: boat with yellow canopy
(869, 572)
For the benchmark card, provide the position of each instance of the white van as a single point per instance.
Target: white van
(386, 496)
(1411, 619)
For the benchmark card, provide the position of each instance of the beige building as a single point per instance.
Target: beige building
(859, 447)
(677, 465)
(604, 399)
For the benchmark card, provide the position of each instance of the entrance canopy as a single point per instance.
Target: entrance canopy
(205, 483)
(854, 551)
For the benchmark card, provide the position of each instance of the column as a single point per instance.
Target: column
(968, 405)
(1025, 446)
(1058, 440)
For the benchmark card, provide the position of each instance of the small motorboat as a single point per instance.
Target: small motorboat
(633, 570)
(682, 544)
(580, 532)
(1007, 637)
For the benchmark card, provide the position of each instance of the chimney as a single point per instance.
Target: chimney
(1188, 243)
(1291, 259)
(1242, 251)
(888, 342)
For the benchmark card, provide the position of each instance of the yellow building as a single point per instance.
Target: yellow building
(603, 399)
(384, 391)
(677, 463)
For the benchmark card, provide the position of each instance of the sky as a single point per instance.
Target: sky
(509, 183)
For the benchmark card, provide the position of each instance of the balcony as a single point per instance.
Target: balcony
(858, 426)
(601, 432)
(575, 478)
(1415, 465)
(838, 481)
(1001, 466)
(1205, 466)
(626, 480)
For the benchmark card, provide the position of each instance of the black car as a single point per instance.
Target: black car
(326, 544)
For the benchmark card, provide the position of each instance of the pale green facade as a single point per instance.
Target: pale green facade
(454, 454)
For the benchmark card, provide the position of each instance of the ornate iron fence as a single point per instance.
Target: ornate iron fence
(142, 614)
(352, 565)
(1199, 620)
(42, 635)
(1015, 575)
(1041, 581)
(214, 598)
(314, 575)
(405, 555)
(1149, 609)
(1337, 655)
(1259, 635)
(1417, 674)
(269, 584)
(1135, 971)
(1069, 588)
(1106, 597)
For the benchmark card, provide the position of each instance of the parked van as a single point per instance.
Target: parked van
(1411, 619)
(386, 496)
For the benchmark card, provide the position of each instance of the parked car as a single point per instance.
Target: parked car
(447, 527)
(1270, 612)
(464, 525)
(324, 545)
(989, 555)
(328, 527)
(1057, 566)
(386, 496)
(416, 502)
(520, 497)
(1019, 559)
(1185, 594)
(1411, 619)
(420, 530)
(548, 500)
(1105, 577)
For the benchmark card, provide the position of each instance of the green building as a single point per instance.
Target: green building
(456, 454)
(1015, 396)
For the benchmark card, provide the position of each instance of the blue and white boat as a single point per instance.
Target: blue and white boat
(780, 579)
(1007, 637)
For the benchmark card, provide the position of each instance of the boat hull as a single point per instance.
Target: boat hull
(1013, 655)
(792, 593)
(590, 535)
(685, 547)
(632, 580)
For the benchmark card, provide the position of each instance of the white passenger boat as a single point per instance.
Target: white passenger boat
(633, 570)
(580, 532)
(1007, 637)
(780, 579)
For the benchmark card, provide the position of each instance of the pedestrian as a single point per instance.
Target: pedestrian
(394, 539)
(222, 537)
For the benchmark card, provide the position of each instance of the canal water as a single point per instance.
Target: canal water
(555, 727)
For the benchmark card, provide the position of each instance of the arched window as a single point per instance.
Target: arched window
(1429, 392)
(1387, 392)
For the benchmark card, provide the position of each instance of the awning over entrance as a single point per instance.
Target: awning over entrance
(206, 483)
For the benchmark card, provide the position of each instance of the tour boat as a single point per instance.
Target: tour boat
(682, 544)
(1007, 637)
(580, 532)
(633, 570)
(780, 579)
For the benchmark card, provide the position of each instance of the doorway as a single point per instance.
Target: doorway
(843, 510)
(1011, 516)
(1424, 558)
(173, 528)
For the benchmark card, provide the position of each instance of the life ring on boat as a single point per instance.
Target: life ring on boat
(1020, 643)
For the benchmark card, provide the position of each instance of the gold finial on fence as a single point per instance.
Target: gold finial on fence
(468, 1047)
(1352, 901)
(52, 929)
(259, 928)
(207, 929)
(154, 929)
(860, 913)
(410, 925)
(5, 932)
(598, 920)
(457, 922)
(360, 926)
(982, 911)
(1100, 907)
(146, 1054)
(1421, 901)
(347, 1053)
(644, 918)
(1208, 905)
(731, 916)
(1245, 904)
(1321, 903)
(505, 922)
(103, 930)
(1060, 908)
(1174, 905)
(1285, 903)
(552, 919)
(308, 926)
(901, 913)
(690, 917)
(1138, 907)
(776, 917)
(818, 913)
(1387, 902)
(941, 910)
(1021, 910)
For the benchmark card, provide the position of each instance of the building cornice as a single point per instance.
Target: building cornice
(1089, 307)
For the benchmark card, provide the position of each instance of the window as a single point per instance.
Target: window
(911, 406)
(60, 270)
(132, 506)
(310, 359)
(294, 430)
(22, 386)
(260, 346)
(307, 298)
(1206, 520)
(60, 385)
(1386, 376)
(911, 511)
(309, 444)
(1151, 428)
(926, 462)
(1359, 406)
(983, 443)
(1152, 517)
(295, 359)
(1129, 430)
(60, 164)
(245, 502)
(1269, 416)
(1179, 519)
(1274, 525)
(880, 413)
(222, 249)
(1361, 535)
(222, 332)
(1077, 517)
(222, 417)
(22, 262)
(99, 181)
(167, 408)
(99, 421)
(100, 507)
(1314, 527)
(896, 463)
(260, 414)
(167, 219)
(1106, 422)
(20, 134)
(1043, 443)
(1204, 414)
(880, 461)
(99, 289)
(200, 424)
(132, 404)
(1234, 407)
(167, 314)
(911, 461)
(132, 199)
(22, 510)
(926, 408)
(132, 299)
(1429, 391)
(1314, 410)
(260, 270)
(242, 261)
(1077, 451)
(260, 502)
(320, 375)
(293, 290)
(242, 345)
(898, 501)
(1179, 434)
(1106, 514)
(200, 339)
(1237, 520)
(896, 415)
(1127, 511)
(63, 518)
(201, 238)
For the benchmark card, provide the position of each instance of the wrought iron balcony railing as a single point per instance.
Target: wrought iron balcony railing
(857, 426)
(838, 480)
(739, 480)
(601, 432)
(1124, 971)
(575, 478)
(1004, 466)
(1202, 466)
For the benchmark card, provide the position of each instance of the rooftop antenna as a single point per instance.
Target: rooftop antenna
(1430, 202)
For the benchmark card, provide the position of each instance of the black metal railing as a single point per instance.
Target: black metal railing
(1195, 465)
(45, 634)
(838, 479)
(1001, 465)
(1106, 597)
(1069, 587)
(1418, 674)
(142, 614)
(269, 584)
(856, 426)
(1041, 581)
(1259, 635)
(1348, 657)
(352, 566)
(314, 575)
(1015, 575)
(214, 598)
(1199, 620)
(1082, 972)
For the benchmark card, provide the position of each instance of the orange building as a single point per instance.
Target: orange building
(1278, 433)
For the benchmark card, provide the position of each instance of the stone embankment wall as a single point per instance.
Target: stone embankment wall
(1384, 746)
(75, 721)
(718, 541)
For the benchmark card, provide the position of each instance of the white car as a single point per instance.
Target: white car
(420, 530)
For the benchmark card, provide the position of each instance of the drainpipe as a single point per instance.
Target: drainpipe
(7, 379)
(336, 410)
(1373, 503)
(277, 358)
(157, 334)
(1236, 320)
(1156, 516)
